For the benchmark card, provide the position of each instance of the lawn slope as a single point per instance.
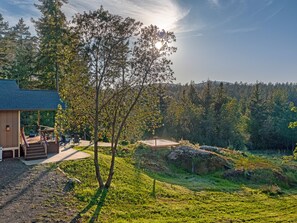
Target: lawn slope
(179, 197)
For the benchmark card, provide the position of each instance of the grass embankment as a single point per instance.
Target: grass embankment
(180, 196)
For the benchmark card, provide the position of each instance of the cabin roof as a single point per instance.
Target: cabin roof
(14, 98)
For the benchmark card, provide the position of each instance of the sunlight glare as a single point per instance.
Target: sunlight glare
(158, 45)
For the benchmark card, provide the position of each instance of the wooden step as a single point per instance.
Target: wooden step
(35, 157)
(35, 148)
(35, 151)
(35, 145)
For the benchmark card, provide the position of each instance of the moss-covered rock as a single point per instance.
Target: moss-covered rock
(258, 176)
(198, 161)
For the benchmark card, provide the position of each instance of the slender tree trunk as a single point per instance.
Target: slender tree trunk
(96, 123)
(116, 136)
(114, 143)
(57, 76)
(97, 167)
(111, 169)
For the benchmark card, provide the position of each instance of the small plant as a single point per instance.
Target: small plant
(154, 189)
(288, 158)
(124, 142)
(295, 153)
(271, 190)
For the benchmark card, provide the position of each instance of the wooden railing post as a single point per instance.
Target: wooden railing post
(45, 147)
(43, 141)
(25, 141)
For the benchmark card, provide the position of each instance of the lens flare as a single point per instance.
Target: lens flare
(158, 45)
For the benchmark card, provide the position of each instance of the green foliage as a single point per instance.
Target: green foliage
(124, 143)
(123, 67)
(29, 120)
(17, 53)
(52, 35)
(6, 47)
(258, 117)
(238, 116)
(293, 124)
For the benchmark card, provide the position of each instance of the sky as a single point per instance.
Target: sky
(222, 40)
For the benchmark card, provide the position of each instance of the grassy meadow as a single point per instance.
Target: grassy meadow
(180, 196)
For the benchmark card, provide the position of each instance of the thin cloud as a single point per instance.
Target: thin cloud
(188, 35)
(186, 27)
(273, 14)
(165, 14)
(269, 2)
(242, 30)
(21, 9)
(215, 3)
(24, 7)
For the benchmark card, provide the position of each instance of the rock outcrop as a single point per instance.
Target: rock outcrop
(197, 160)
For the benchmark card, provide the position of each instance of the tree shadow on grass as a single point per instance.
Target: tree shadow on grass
(86, 147)
(97, 200)
(26, 187)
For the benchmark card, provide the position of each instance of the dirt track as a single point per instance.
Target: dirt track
(33, 194)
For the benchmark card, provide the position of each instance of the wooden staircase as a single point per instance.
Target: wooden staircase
(35, 151)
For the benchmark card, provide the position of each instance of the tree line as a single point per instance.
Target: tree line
(235, 115)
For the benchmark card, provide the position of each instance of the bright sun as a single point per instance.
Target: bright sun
(158, 45)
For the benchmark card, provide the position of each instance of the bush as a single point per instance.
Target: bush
(124, 142)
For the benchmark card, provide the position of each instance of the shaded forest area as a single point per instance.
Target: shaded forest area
(239, 115)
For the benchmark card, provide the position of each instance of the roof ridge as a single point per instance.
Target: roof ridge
(37, 90)
(7, 80)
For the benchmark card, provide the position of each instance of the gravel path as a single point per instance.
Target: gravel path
(33, 194)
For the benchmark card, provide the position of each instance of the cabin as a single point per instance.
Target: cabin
(13, 101)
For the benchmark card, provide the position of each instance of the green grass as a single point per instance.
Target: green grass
(180, 196)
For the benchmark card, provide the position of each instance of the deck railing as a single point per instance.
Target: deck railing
(25, 145)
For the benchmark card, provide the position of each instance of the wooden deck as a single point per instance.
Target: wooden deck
(158, 143)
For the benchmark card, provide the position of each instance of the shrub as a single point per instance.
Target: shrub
(124, 142)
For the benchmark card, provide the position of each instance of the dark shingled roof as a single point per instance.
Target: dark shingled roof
(14, 98)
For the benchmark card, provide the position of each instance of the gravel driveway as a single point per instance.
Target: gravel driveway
(33, 194)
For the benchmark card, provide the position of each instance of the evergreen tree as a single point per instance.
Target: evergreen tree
(3, 27)
(21, 32)
(22, 68)
(277, 132)
(193, 95)
(231, 125)
(207, 123)
(52, 33)
(220, 98)
(7, 53)
(258, 117)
